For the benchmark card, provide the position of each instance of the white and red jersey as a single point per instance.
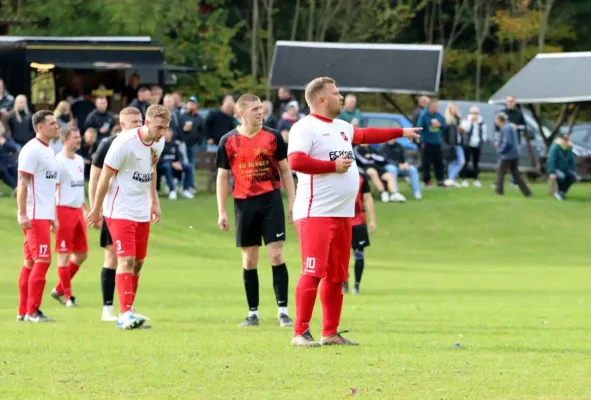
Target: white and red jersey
(129, 191)
(37, 159)
(70, 192)
(324, 195)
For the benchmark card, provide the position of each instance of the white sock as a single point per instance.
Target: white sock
(251, 313)
(282, 310)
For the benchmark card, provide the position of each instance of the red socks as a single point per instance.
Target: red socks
(135, 279)
(36, 286)
(66, 274)
(331, 296)
(65, 284)
(23, 290)
(125, 291)
(305, 297)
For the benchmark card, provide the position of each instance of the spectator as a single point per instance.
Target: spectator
(515, 117)
(170, 163)
(87, 148)
(65, 119)
(433, 125)
(561, 165)
(351, 113)
(178, 102)
(100, 119)
(175, 117)
(116, 130)
(6, 100)
(8, 162)
(374, 166)
(193, 127)
(423, 102)
(130, 91)
(142, 102)
(285, 97)
(454, 153)
(21, 126)
(269, 119)
(289, 117)
(398, 166)
(156, 95)
(219, 122)
(75, 91)
(473, 139)
(509, 155)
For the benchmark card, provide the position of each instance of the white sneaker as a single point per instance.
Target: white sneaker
(477, 184)
(465, 183)
(129, 320)
(397, 197)
(172, 195)
(187, 194)
(137, 314)
(385, 197)
(193, 190)
(418, 196)
(449, 182)
(109, 314)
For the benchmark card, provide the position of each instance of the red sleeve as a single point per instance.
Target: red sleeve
(375, 135)
(301, 162)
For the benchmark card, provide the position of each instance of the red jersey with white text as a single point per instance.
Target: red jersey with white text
(129, 190)
(71, 180)
(37, 159)
(359, 218)
(324, 195)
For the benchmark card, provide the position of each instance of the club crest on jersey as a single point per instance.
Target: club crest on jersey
(344, 136)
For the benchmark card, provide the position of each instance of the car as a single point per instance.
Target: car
(386, 120)
(488, 156)
(580, 137)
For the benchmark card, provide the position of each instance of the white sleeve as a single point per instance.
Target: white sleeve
(116, 155)
(300, 139)
(61, 170)
(27, 160)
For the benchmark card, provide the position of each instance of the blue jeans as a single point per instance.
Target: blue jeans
(454, 168)
(412, 172)
(169, 173)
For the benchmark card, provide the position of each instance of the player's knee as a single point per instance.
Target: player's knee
(137, 266)
(250, 257)
(29, 263)
(79, 258)
(276, 258)
(126, 264)
(110, 258)
(358, 254)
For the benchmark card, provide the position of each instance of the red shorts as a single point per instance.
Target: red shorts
(37, 244)
(325, 245)
(71, 234)
(130, 238)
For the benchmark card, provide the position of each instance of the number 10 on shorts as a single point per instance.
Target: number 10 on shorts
(310, 264)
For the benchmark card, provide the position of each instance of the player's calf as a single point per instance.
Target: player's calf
(280, 282)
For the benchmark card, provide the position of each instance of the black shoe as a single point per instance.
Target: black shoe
(285, 321)
(20, 318)
(71, 302)
(251, 320)
(38, 316)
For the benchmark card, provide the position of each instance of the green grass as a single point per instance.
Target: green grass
(506, 278)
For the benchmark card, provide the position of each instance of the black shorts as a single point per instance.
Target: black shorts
(106, 239)
(360, 237)
(260, 217)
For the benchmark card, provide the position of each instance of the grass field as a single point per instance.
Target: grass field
(465, 296)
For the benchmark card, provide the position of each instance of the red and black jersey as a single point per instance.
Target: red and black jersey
(359, 218)
(254, 161)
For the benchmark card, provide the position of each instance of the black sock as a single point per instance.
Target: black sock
(359, 264)
(251, 286)
(108, 285)
(280, 284)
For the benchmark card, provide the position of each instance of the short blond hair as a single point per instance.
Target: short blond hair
(314, 87)
(245, 99)
(158, 111)
(67, 131)
(130, 111)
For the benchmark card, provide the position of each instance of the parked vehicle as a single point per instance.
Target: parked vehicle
(580, 137)
(385, 120)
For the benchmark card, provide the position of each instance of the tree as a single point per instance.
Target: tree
(482, 11)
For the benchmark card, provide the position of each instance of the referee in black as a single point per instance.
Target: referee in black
(129, 118)
(257, 158)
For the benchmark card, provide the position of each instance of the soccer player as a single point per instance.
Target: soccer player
(360, 235)
(127, 196)
(37, 179)
(257, 158)
(320, 151)
(129, 118)
(71, 243)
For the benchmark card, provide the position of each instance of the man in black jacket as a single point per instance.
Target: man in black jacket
(398, 165)
(219, 122)
(101, 119)
(144, 95)
(374, 165)
(170, 164)
(193, 127)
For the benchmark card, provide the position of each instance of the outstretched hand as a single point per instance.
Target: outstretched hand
(412, 134)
